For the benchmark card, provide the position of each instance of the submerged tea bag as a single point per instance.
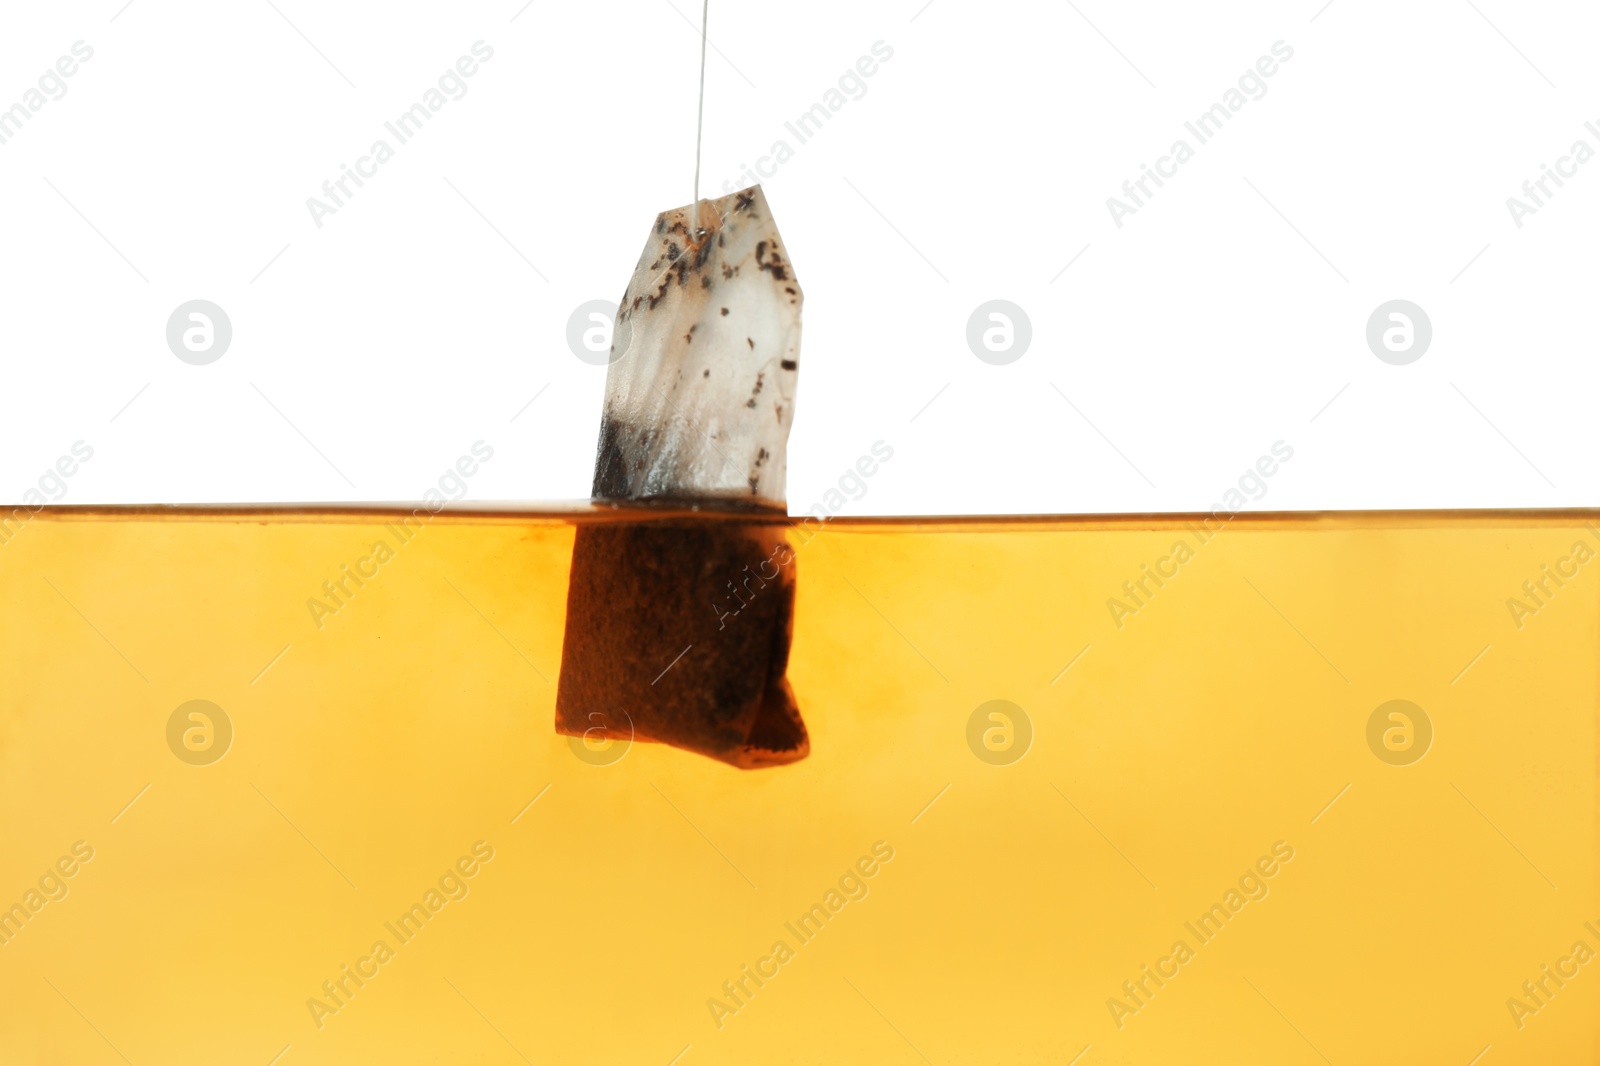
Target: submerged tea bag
(678, 628)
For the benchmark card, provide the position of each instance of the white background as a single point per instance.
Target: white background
(1228, 313)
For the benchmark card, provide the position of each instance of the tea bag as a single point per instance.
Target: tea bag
(678, 627)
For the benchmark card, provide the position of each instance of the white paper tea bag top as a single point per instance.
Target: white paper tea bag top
(706, 348)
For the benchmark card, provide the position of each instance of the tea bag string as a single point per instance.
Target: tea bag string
(700, 121)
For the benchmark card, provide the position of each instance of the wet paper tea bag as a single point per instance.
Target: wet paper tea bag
(678, 626)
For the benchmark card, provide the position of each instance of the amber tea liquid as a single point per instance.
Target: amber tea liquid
(1322, 789)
